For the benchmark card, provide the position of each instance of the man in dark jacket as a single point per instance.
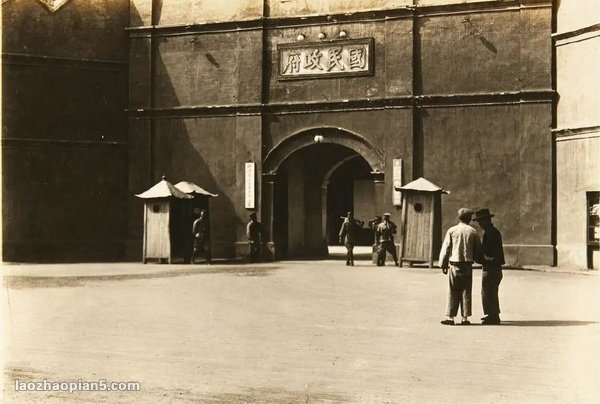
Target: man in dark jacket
(491, 259)
(348, 235)
(201, 234)
(254, 232)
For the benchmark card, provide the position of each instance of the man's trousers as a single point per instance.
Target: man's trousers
(490, 281)
(386, 246)
(460, 280)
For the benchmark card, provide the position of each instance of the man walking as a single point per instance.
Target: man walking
(348, 234)
(385, 239)
(491, 259)
(201, 233)
(254, 232)
(459, 249)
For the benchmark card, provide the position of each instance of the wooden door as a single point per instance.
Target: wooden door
(158, 244)
(417, 238)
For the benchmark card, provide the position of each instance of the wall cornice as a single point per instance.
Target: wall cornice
(586, 132)
(577, 35)
(403, 102)
(62, 62)
(269, 23)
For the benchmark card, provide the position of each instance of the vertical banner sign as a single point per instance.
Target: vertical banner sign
(397, 182)
(249, 186)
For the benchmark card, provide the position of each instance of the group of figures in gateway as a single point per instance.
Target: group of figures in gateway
(384, 230)
(461, 248)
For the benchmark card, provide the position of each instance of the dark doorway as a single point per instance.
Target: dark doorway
(316, 186)
(350, 188)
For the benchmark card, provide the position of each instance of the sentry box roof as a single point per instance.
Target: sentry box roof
(421, 185)
(164, 189)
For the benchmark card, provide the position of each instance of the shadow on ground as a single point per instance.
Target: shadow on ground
(21, 282)
(546, 323)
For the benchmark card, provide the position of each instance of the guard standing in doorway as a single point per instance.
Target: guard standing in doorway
(385, 240)
(254, 232)
(201, 234)
(348, 235)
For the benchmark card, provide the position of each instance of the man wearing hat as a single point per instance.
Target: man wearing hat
(491, 259)
(460, 248)
(385, 240)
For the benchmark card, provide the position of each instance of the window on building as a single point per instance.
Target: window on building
(593, 227)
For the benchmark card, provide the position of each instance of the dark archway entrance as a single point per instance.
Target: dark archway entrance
(315, 187)
(312, 178)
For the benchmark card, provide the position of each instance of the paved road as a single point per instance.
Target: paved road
(296, 332)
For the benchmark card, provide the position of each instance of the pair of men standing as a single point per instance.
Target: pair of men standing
(384, 237)
(201, 233)
(462, 247)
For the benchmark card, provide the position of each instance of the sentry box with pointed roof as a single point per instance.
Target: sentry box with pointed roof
(168, 218)
(163, 222)
(421, 230)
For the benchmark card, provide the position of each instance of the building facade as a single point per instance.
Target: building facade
(332, 103)
(577, 133)
(64, 130)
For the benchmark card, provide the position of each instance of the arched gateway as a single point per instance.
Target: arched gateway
(311, 179)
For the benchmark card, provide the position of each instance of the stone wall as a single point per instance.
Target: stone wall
(64, 138)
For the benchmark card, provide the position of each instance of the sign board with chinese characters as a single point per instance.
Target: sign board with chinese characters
(396, 182)
(250, 180)
(352, 57)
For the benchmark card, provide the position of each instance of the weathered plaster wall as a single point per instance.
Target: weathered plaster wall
(498, 157)
(577, 125)
(577, 83)
(64, 131)
(178, 12)
(210, 152)
(197, 71)
(579, 171)
(92, 29)
(498, 51)
(393, 64)
(405, 109)
(575, 14)
(211, 69)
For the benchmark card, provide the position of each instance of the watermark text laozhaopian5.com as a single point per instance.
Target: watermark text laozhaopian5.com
(72, 386)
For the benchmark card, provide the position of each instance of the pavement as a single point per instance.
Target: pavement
(296, 332)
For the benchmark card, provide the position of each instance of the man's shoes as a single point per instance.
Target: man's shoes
(447, 322)
(491, 321)
(465, 322)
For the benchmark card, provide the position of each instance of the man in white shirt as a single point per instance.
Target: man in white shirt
(460, 249)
